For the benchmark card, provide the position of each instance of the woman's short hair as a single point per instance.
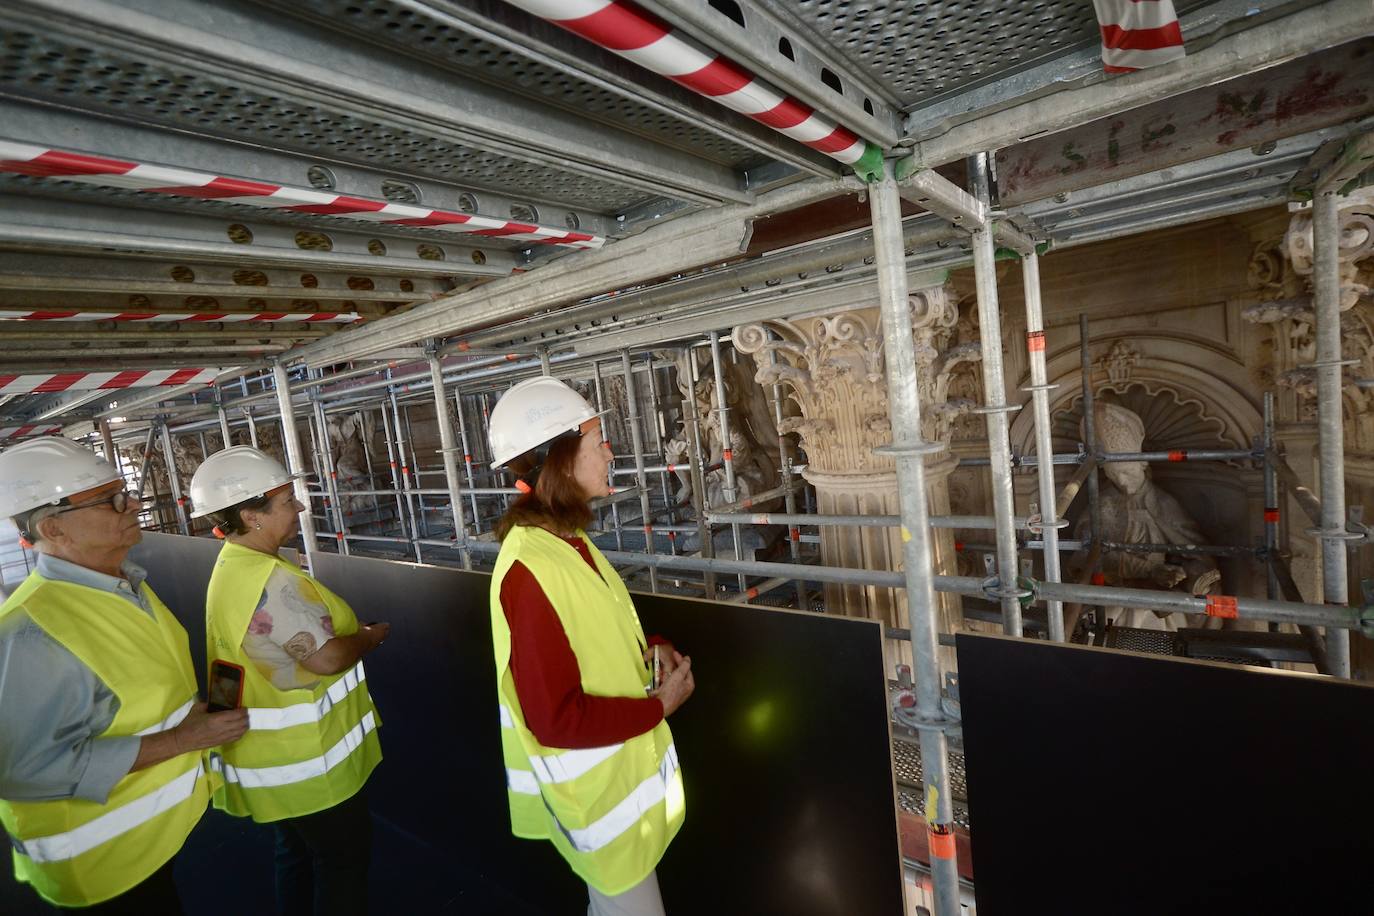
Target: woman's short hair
(230, 521)
(555, 499)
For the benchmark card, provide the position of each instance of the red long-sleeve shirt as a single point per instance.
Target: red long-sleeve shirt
(547, 679)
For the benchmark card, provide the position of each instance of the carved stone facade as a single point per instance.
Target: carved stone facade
(833, 369)
(1281, 278)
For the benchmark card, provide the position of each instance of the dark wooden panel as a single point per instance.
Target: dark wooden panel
(1109, 782)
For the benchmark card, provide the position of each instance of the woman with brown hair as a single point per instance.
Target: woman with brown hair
(590, 760)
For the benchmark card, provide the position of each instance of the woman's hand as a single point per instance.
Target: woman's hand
(677, 687)
(668, 657)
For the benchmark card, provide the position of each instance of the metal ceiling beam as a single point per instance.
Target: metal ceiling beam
(291, 59)
(1274, 42)
(696, 291)
(757, 44)
(48, 125)
(656, 252)
(84, 330)
(510, 29)
(46, 224)
(96, 275)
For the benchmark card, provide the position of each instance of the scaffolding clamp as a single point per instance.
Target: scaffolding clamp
(992, 587)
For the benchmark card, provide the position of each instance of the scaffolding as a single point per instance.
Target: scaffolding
(559, 249)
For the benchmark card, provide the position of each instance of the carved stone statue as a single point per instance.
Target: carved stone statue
(1135, 511)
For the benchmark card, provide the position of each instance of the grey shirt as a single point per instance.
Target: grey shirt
(53, 707)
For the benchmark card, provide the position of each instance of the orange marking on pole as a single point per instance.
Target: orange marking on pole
(1178, 454)
(941, 839)
(1271, 515)
(1222, 606)
(1035, 341)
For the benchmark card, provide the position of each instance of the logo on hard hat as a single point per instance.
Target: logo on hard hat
(540, 412)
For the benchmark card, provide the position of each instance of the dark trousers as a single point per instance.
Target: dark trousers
(322, 861)
(156, 896)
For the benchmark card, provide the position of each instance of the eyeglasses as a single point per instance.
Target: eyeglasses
(118, 501)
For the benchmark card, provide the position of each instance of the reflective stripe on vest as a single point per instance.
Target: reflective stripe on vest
(176, 718)
(627, 813)
(69, 845)
(563, 766)
(286, 774)
(269, 719)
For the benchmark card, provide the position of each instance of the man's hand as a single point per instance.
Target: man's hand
(677, 687)
(198, 731)
(201, 729)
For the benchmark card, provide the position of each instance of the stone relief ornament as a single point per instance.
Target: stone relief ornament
(753, 435)
(1281, 275)
(1118, 362)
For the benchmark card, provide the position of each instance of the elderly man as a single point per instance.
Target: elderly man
(101, 734)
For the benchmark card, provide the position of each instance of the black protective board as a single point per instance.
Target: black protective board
(1104, 782)
(785, 752)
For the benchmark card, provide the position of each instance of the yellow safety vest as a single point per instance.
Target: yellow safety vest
(306, 750)
(610, 811)
(77, 852)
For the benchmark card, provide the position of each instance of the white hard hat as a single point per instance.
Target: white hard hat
(233, 475)
(533, 412)
(47, 470)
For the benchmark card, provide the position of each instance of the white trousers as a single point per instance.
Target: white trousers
(641, 900)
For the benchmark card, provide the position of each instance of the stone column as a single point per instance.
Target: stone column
(832, 367)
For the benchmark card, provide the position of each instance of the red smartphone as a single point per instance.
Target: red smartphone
(226, 686)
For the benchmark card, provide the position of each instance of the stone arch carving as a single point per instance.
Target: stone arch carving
(1192, 374)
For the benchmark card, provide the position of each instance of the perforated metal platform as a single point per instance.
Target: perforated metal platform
(921, 49)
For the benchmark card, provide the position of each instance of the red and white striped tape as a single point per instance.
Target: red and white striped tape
(1138, 34)
(60, 315)
(41, 162)
(19, 432)
(635, 34)
(44, 383)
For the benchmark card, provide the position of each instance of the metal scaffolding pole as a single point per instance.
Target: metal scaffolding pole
(909, 451)
(698, 475)
(467, 456)
(1330, 433)
(225, 435)
(727, 454)
(107, 443)
(449, 448)
(395, 470)
(409, 442)
(606, 437)
(295, 460)
(172, 482)
(1085, 368)
(995, 409)
(1271, 500)
(1044, 445)
(656, 411)
(641, 480)
(396, 426)
(144, 464)
(252, 427)
(329, 475)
